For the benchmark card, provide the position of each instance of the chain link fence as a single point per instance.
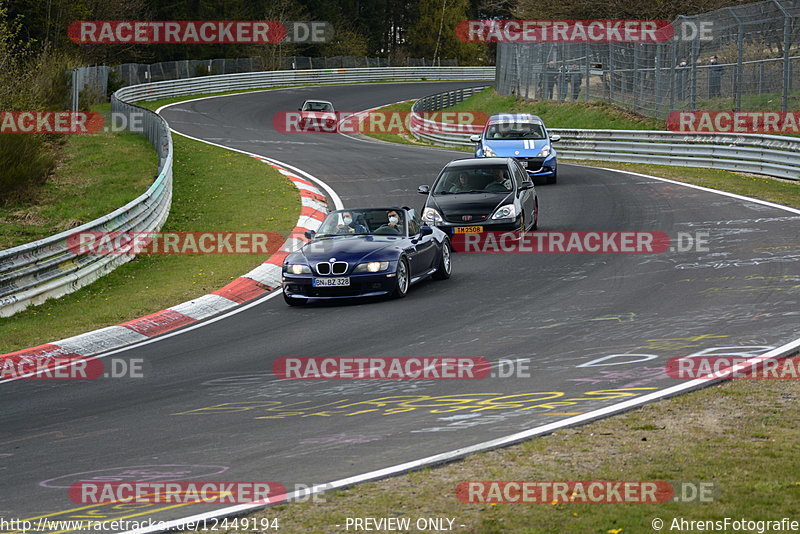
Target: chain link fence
(92, 85)
(749, 60)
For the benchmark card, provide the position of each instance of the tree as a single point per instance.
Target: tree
(433, 32)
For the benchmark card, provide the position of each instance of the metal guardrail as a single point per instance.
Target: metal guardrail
(36, 271)
(771, 155)
(257, 80)
(43, 269)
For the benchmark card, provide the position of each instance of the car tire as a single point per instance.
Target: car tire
(553, 179)
(445, 262)
(403, 279)
(535, 225)
(293, 301)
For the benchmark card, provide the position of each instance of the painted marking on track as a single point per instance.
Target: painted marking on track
(677, 343)
(397, 404)
(748, 289)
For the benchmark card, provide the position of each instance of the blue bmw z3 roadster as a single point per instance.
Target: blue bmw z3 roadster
(366, 253)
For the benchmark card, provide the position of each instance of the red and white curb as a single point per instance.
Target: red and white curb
(261, 280)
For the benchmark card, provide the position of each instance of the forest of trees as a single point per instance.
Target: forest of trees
(375, 28)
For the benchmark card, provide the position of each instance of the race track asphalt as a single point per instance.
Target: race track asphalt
(209, 407)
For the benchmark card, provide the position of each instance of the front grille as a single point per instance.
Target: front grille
(325, 268)
(459, 219)
(533, 161)
(534, 164)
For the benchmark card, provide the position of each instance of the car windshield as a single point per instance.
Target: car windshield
(363, 222)
(504, 131)
(494, 179)
(317, 106)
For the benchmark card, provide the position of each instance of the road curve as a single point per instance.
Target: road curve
(209, 408)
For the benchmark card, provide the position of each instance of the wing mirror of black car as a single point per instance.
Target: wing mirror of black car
(424, 189)
(425, 230)
(554, 138)
(476, 138)
(310, 234)
(525, 185)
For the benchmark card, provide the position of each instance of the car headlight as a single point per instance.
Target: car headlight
(488, 152)
(505, 212)
(544, 152)
(297, 268)
(371, 267)
(431, 216)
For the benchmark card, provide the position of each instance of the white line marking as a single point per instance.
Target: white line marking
(458, 453)
(701, 188)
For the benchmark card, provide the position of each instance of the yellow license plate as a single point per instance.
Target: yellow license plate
(467, 229)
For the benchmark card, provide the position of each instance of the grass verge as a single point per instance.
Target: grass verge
(214, 190)
(96, 174)
(593, 114)
(743, 436)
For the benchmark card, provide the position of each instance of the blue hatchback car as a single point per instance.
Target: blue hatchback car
(522, 137)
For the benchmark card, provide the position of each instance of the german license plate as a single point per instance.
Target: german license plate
(331, 282)
(467, 229)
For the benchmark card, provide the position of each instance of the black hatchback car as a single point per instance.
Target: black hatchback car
(481, 194)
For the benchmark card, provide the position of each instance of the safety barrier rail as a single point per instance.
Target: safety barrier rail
(47, 268)
(771, 155)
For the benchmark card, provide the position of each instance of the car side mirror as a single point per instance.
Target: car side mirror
(425, 230)
(525, 185)
(310, 234)
(424, 189)
(475, 138)
(554, 138)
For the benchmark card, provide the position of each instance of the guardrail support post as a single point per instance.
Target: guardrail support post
(787, 44)
(586, 74)
(693, 75)
(75, 90)
(636, 78)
